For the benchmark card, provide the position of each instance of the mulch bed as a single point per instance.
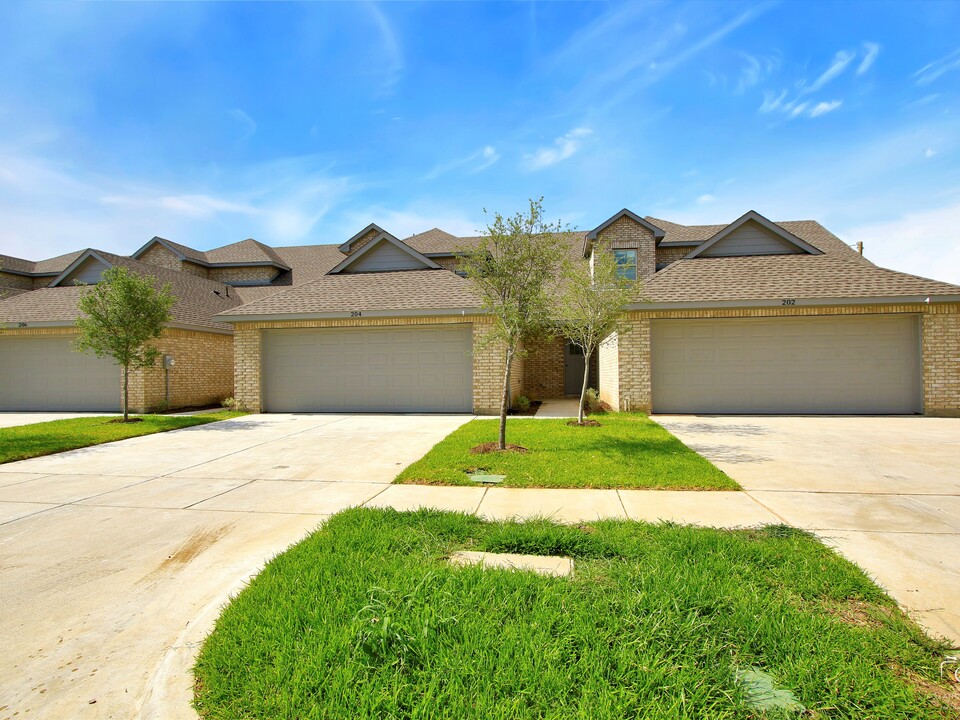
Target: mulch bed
(530, 411)
(492, 447)
(121, 420)
(585, 423)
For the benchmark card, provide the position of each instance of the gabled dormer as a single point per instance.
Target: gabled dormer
(382, 253)
(85, 270)
(172, 256)
(368, 234)
(752, 234)
(631, 238)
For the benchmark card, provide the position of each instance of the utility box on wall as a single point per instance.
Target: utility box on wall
(168, 362)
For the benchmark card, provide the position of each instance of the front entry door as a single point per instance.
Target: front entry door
(572, 368)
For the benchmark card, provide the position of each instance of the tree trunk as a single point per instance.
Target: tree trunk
(583, 388)
(505, 399)
(126, 392)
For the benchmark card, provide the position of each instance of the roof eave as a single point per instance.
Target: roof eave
(932, 299)
(280, 317)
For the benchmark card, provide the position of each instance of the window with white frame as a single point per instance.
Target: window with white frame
(626, 263)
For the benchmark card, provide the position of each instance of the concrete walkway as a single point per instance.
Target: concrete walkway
(566, 408)
(885, 491)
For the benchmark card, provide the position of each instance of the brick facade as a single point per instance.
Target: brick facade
(624, 234)
(16, 282)
(544, 370)
(160, 256)
(231, 275)
(940, 333)
(202, 374)
(487, 360)
(625, 379)
(671, 254)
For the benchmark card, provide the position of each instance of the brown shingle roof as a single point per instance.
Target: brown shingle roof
(766, 277)
(51, 265)
(245, 251)
(388, 291)
(433, 241)
(196, 301)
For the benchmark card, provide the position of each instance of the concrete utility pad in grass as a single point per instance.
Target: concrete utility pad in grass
(553, 565)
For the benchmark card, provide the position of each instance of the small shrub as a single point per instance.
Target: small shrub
(234, 404)
(593, 403)
(522, 403)
(163, 406)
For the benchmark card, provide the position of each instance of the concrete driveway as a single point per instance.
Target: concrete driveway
(115, 560)
(884, 490)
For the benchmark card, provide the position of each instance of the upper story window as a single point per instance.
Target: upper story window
(626, 263)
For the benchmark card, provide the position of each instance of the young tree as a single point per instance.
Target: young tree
(121, 315)
(513, 269)
(590, 305)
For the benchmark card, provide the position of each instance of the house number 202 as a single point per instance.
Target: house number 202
(788, 302)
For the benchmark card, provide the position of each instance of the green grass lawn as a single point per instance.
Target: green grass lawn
(366, 619)
(27, 441)
(628, 451)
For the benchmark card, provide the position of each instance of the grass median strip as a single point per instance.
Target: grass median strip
(366, 618)
(26, 441)
(628, 450)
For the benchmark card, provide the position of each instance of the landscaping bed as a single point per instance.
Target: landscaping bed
(26, 441)
(367, 619)
(627, 450)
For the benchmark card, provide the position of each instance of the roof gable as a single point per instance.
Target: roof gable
(592, 235)
(753, 234)
(383, 254)
(86, 268)
(372, 227)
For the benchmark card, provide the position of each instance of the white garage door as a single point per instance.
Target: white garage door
(820, 365)
(46, 374)
(408, 369)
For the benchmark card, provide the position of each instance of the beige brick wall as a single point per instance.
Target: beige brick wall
(447, 263)
(544, 369)
(194, 269)
(671, 254)
(940, 329)
(243, 274)
(363, 241)
(609, 361)
(42, 282)
(487, 361)
(160, 256)
(941, 362)
(16, 282)
(202, 375)
(624, 233)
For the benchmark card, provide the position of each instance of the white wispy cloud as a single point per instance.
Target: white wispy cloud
(930, 72)
(822, 108)
(563, 147)
(245, 123)
(841, 60)
(474, 162)
(391, 54)
(929, 153)
(755, 70)
(772, 101)
(870, 52)
(921, 243)
(707, 199)
(191, 205)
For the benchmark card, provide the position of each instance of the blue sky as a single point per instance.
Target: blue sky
(301, 123)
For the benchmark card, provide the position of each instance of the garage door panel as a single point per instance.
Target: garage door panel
(837, 364)
(409, 369)
(46, 374)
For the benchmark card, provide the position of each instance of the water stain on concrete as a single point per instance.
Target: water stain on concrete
(188, 551)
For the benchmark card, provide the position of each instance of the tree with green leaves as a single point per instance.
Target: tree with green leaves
(514, 270)
(591, 305)
(121, 314)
